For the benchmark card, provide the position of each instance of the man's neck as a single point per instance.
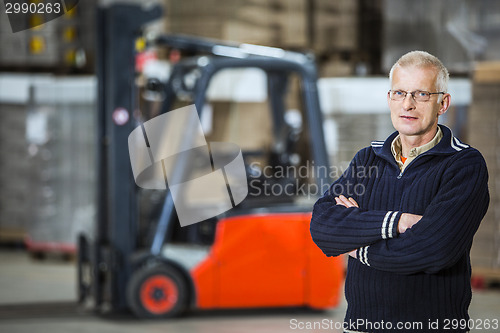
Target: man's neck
(414, 141)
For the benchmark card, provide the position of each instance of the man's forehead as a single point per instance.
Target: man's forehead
(415, 75)
(428, 70)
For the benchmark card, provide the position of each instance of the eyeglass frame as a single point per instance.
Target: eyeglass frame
(412, 93)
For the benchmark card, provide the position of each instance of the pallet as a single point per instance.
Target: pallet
(41, 250)
(12, 236)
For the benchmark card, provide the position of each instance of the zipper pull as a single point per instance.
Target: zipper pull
(400, 175)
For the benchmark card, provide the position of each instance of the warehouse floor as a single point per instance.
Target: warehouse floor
(39, 296)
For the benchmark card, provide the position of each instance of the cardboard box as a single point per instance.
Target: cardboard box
(336, 67)
(200, 8)
(337, 6)
(334, 32)
(242, 32)
(248, 125)
(487, 72)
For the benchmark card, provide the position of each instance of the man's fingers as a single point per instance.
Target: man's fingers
(407, 220)
(353, 202)
(345, 201)
(339, 201)
(342, 200)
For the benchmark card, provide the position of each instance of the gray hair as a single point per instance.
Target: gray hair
(424, 59)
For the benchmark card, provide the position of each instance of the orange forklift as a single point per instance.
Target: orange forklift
(137, 257)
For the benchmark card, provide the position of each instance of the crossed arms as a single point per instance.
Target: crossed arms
(401, 242)
(406, 221)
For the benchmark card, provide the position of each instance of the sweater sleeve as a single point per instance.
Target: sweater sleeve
(447, 226)
(336, 229)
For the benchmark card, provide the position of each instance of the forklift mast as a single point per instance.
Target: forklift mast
(118, 27)
(112, 251)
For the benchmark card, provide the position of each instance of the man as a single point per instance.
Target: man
(409, 231)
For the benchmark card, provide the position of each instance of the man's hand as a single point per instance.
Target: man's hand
(406, 221)
(341, 200)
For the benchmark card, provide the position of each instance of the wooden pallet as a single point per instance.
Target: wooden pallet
(12, 235)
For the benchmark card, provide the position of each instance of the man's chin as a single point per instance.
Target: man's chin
(407, 130)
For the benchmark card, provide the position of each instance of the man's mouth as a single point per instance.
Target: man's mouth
(408, 117)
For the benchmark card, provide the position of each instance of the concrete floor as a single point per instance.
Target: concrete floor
(39, 296)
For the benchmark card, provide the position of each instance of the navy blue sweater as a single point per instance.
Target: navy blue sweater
(419, 276)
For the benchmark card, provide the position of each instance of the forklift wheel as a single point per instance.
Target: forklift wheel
(157, 292)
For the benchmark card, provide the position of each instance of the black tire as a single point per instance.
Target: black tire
(83, 266)
(159, 291)
(38, 255)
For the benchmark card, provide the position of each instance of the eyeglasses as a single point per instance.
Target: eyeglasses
(418, 95)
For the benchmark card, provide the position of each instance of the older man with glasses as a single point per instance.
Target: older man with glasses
(409, 234)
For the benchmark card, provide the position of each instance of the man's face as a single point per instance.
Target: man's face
(411, 118)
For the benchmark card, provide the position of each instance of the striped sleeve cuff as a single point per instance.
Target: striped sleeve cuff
(390, 224)
(362, 254)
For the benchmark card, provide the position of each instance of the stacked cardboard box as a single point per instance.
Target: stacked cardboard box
(273, 23)
(484, 134)
(348, 133)
(14, 173)
(335, 36)
(328, 28)
(335, 26)
(246, 124)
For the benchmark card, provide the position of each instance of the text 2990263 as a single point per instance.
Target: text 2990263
(29, 7)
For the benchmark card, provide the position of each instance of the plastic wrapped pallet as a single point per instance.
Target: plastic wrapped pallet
(61, 132)
(484, 134)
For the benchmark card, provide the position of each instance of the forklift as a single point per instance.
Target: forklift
(258, 254)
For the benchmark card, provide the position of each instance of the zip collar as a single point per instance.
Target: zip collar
(448, 145)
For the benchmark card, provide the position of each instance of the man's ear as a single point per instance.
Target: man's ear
(444, 104)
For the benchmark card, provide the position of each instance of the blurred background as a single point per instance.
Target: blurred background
(50, 140)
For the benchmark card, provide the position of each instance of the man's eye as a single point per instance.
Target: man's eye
(398, 93)
(421, 93)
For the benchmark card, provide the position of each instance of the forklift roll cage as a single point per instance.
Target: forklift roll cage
(110, 255)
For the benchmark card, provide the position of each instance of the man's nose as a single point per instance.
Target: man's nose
(408, 102)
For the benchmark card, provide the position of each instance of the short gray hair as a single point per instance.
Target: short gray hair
(424, 59)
